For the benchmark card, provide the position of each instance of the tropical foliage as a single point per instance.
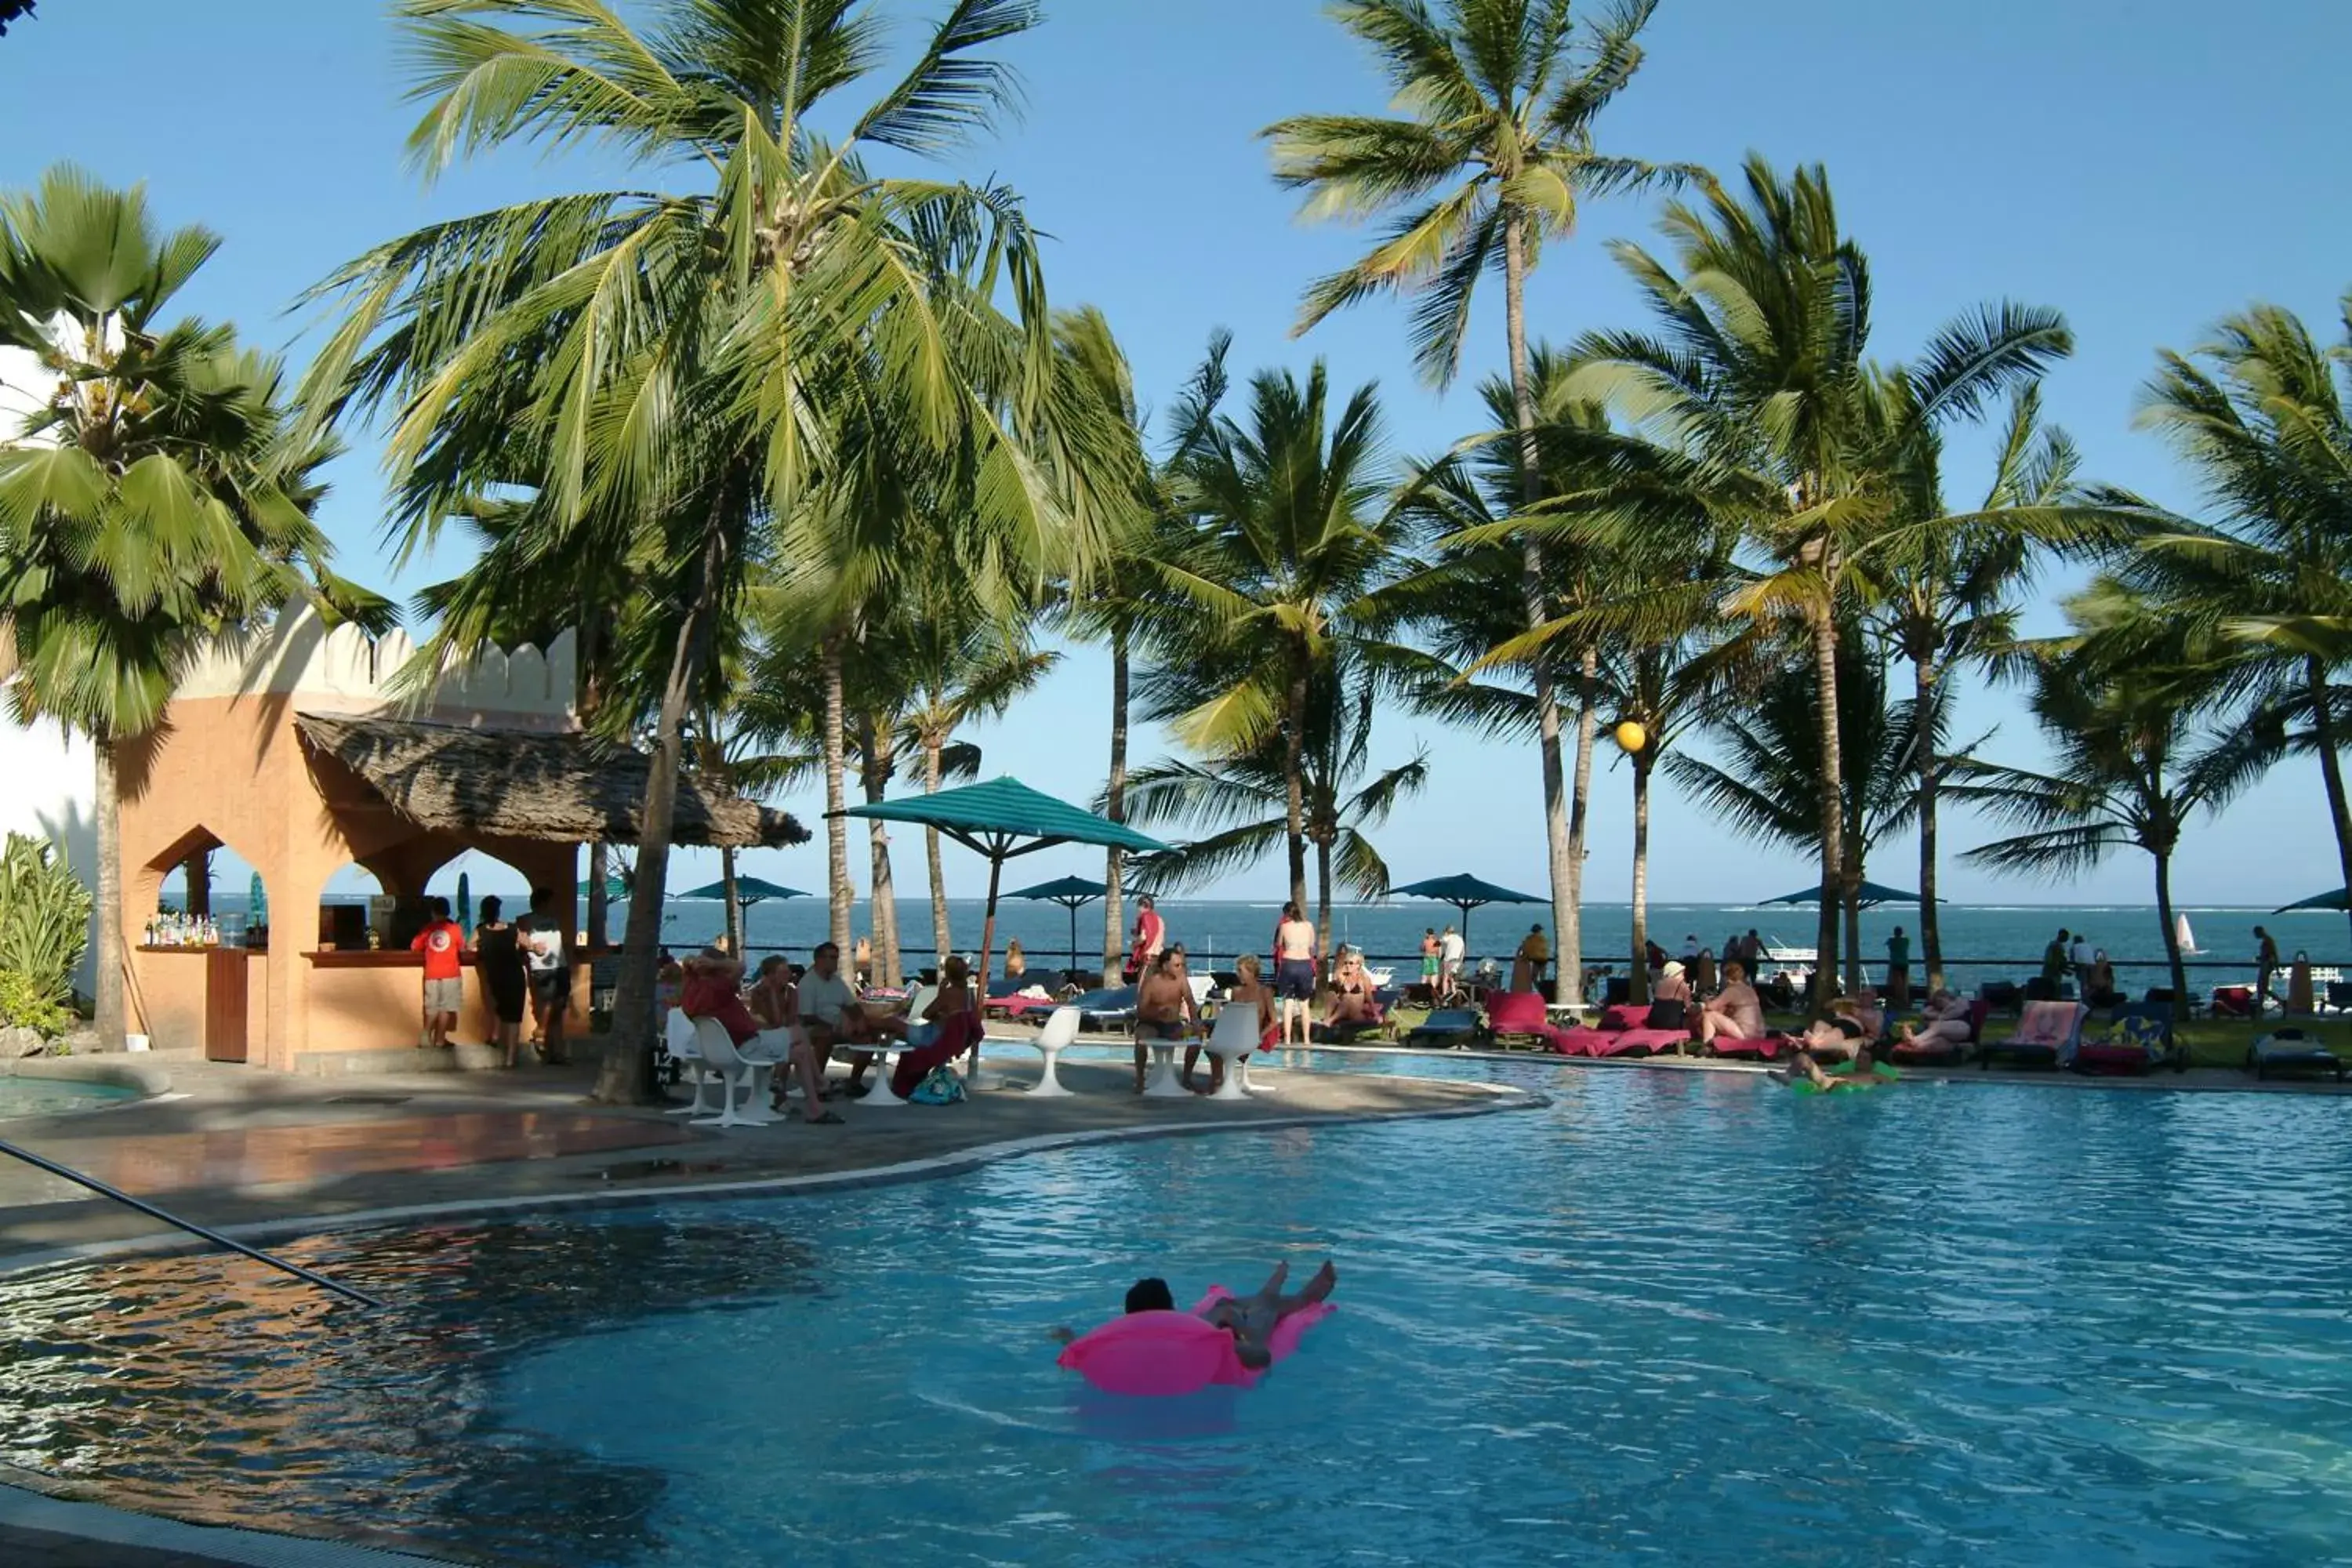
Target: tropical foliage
(44, 928)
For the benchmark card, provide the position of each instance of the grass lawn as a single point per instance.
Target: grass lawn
(2213, 1042)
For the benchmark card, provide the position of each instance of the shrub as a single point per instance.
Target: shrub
(44, 917)
(25, 1005)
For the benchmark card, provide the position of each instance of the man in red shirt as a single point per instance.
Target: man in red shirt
(444, 947)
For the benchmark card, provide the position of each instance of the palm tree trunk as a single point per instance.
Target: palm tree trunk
(942, 941)
(199, 876)
(626, 1077)
(1639, 970)
(734, 901)
(1294, 785)
(873, 774)
(600, 903)
(1850, 903)
(2331, 766)
(839, 892)
(2171, 936)
(1569, 934)
(1567, 871)
(1323, 896)
(1925, 678)
(107, 971)
(1825, 940)
(1115, 808)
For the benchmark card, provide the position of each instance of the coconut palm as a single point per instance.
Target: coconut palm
(1945, 596)
(697, 375)
(1767, 785)
(1493, 154)
(1245, 800)
(1290, 540)
(1762, 410)
(156, 500)
(2263, 414)
(958, 666)
(2137, 753)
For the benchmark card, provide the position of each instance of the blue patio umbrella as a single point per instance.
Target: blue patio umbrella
(1464, 893)
(1872, 895)
(1001, 819)
(1070, 892)
(2335, 900)
(749, 890)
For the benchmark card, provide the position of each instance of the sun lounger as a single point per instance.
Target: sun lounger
(1446, 1027)
(2138, 1040)
(1111, 1007)
(1520, 1015)
(1624, 1031)
(1941, 1052)
(2046, 1036)
(2287, 1050)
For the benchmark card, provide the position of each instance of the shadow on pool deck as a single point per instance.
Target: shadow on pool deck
(231, 1148)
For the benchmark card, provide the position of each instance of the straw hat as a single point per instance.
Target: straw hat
(1672, 966)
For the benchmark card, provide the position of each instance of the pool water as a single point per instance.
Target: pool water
(1676, 1317)
(22, 1096)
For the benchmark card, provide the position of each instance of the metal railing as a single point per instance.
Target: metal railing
(217, 1238)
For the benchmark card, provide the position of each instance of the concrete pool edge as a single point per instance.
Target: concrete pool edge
(1490, 1100)
(137, 1537)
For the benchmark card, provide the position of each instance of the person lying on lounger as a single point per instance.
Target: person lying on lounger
(1251, 1320)
(1945, 1024)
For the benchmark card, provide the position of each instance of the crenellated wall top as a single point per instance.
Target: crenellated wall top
(344, 670)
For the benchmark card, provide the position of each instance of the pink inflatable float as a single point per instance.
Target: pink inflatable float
(1160, 1355)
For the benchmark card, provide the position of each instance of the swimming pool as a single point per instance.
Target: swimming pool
(1672, 1317)
(22, 1096)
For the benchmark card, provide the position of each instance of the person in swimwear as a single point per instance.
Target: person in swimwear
(1251, 1320)
(1804, 1068)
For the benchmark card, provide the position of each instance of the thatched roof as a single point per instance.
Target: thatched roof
(524, 784)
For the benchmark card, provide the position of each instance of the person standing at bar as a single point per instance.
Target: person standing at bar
(444, 947)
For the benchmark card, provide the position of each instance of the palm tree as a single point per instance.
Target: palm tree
(157, 499)
(1111, 476)
(1245, 800)
(1765, 413)
(959, 665)
(1769, 786)
(686, 370)
(1945, 597)
(1493, 156)
(2264, 416)
(1290, 540)
(2137, 752)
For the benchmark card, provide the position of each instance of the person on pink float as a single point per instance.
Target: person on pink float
(1251, 1320)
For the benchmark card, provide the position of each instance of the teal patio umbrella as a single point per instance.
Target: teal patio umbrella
(1464, 893)
(749, 890)
(616, 889)
(257, 902)
(1872, 895)
(1072, 893)
(1002, 819)
(2335, 900)
(466, 904)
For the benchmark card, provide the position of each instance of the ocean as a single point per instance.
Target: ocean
(1981, 942)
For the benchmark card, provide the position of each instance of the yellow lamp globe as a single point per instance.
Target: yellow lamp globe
(1631, 737)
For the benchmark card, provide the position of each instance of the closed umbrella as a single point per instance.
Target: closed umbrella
(1002, 819)
(466, 904)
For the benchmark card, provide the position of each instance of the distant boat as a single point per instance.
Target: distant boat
(2187, 937)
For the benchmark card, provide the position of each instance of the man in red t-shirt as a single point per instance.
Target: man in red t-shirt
(444, 947)
(713, 990)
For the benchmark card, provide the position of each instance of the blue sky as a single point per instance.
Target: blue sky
(2145, 165)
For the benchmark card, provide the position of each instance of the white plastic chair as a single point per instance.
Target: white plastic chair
(1235, 1036)
(678, 1036)
(887, 1050)
(719, 1051)
(1060, 1031)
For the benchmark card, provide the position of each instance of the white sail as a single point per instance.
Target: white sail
(2188, 938)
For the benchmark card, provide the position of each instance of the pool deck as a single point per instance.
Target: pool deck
(262, 1154)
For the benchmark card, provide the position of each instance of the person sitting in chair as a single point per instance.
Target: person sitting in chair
(712, 991)
(835, 1018)
(1164, 1013)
